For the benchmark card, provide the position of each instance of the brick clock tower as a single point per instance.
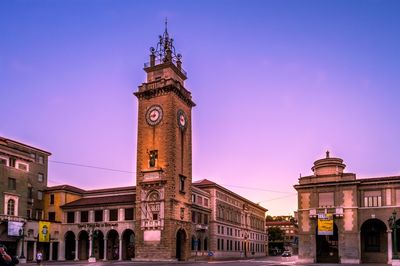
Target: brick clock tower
(164, 158)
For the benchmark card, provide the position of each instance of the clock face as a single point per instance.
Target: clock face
(182, 121)
(154, 115)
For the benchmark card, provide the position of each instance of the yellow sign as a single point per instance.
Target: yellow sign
(44, 231)
(325, 224)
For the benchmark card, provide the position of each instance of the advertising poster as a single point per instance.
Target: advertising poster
(15, 228)
(325, 224)
(44, 231)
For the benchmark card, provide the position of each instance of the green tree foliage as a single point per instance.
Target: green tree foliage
(275, 234)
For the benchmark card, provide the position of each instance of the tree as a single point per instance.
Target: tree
(275, 234)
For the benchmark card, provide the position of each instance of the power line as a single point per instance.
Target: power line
(93, 167)
(287, 196)
(260, 189)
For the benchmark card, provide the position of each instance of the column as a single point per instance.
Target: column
(51, 251)
(390, 246)
(61, 251)
(105, 249)
(90, 245)
(120, 249)
(34, 250)
(76, 248)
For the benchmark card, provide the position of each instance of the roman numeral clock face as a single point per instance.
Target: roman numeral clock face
(154, 115)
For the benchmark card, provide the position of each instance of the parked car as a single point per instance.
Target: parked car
(286, 253)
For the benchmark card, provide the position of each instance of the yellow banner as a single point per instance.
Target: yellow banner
(44, 231)
(325, 224)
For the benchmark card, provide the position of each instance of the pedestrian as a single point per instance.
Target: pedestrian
(5, 259)
(39, 257)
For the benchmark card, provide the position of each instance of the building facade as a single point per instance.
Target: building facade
(359, 211)
(23, 180)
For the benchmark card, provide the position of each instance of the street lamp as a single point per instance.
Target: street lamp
(393, 226)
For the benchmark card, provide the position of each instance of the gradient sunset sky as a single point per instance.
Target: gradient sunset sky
(276, 83)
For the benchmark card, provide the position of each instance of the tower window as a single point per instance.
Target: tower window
(182, 183)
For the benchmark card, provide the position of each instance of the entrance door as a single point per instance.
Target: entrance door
(327, 247)
(180, 244)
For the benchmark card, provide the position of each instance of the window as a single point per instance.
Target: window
(3, 161)
(12, 162)
(11, 207)
(205, 218)
(206, 202)
(51, 198)
(326, 199)
(52, 216)
(39, 195)
(128, 214)
(199, 200)
(22, 166)
(194, 198)
(30, 193)
(155, 216)
(182, 183)
(29, 213)
(33, 156)
(194, 218)
(199, 217)
(84, 216)
(98, 215)
(372, 199)
(39, 214)
(113, 215)
(40, 177)
(70, 217)
(12, 183)
(40, 159)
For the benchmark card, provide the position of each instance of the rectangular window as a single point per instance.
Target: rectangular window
(84, 216)
(113, 214)
(205, 202)
(52, 216)
(70, 217)
(128, 214)
(30, 193)
(12, 183)
(372, 198)
(3, 161)
(219, 230)
(40, 195)
(40, 159)
(22, 166)
(12, 162)
(98, 215)
(40, 177)
(205, 217)
(39, 214)
(193, 217)
(29, 213)
(193, 198)
(182, 183)
(199, 200)
(51, 198)
(199, 218)
(326, 199)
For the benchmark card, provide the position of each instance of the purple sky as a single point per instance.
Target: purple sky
(276, 83)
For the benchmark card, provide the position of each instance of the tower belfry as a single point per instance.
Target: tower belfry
(164, 156)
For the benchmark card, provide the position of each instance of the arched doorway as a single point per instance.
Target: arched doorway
(328, 246)
(69, 246)
(180, 244)
(374, 241)
(98, 244)
(128, 244)
(112, 245)
(83, 245)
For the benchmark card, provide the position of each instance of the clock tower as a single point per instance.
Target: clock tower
(164, 157)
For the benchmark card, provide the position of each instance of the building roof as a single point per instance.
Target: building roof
(10, 141)
(204, 183)
(95, 201)
(66, 188)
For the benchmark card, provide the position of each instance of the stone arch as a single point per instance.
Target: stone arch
(112, 245)
(128, 244)
(83, 245)
(374, 245)
(69, 240)
(181, 238)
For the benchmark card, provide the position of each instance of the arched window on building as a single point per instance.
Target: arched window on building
(11, 207)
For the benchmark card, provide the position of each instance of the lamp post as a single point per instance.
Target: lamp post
(22, 237)
(393, 226)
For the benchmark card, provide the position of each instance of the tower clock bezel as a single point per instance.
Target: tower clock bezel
(154, 109)
(182, 119)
